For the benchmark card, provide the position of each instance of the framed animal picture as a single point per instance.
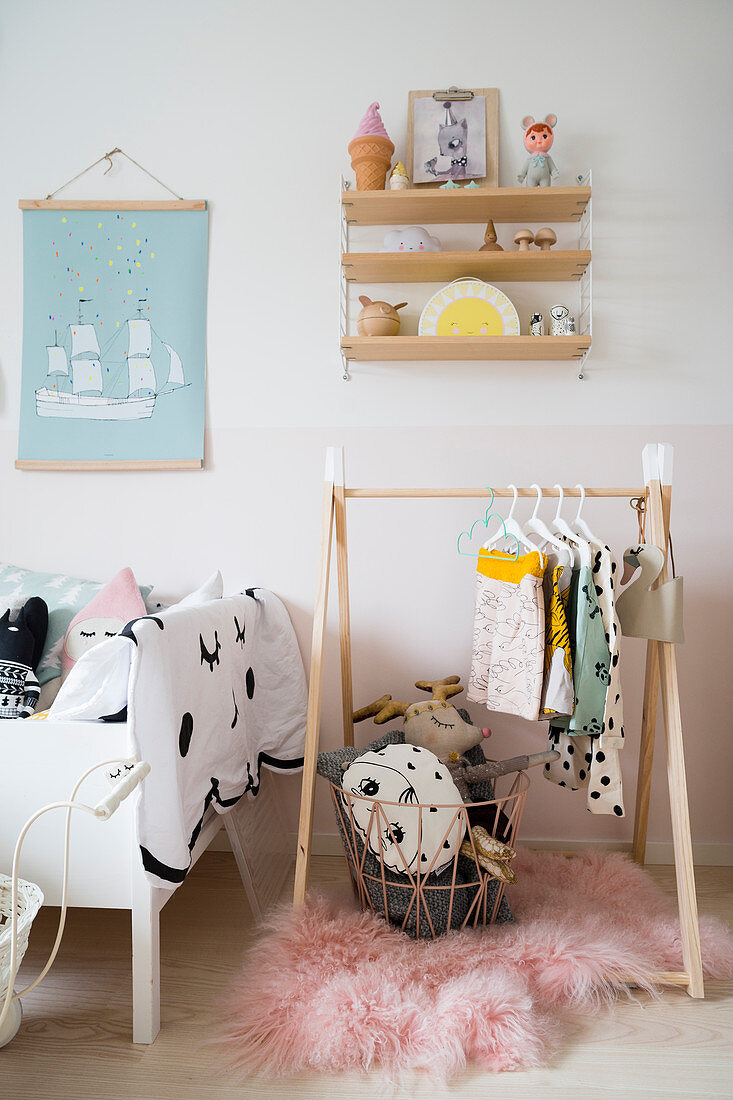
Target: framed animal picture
(453, 135)
(114, 331)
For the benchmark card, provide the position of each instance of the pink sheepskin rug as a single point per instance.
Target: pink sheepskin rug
(336, 989)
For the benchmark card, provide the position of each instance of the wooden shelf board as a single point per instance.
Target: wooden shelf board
(417, 206)
(385, 349)
(435, 267)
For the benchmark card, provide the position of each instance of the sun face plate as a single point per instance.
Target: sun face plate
(469, 307)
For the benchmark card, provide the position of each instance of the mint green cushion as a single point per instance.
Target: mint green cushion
(64, 597)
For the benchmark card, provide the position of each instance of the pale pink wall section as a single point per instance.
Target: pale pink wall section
(254, 513)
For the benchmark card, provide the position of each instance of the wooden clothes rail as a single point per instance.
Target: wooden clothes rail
(660, 673)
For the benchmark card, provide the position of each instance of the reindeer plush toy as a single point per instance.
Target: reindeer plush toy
(437, 725)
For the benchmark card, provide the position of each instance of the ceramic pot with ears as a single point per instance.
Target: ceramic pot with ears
(378, 318)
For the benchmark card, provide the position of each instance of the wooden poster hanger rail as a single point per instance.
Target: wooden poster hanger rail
(660, 673)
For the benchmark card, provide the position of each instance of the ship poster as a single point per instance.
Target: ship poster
(114, 337)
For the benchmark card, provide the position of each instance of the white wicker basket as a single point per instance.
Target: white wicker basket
(30, 900)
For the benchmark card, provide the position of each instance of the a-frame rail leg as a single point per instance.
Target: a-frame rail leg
(315, 689)
(342, 572)
(649, 711)
(646, 751)
(679, 808)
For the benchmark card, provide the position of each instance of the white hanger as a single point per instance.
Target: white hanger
(561, 527)
(580, 524)
(511, 530)
(539, 527)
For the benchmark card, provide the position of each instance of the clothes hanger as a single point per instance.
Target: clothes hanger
(580, 524)
(561, 527)
(539, 527)
(511, 529)
(485, 522)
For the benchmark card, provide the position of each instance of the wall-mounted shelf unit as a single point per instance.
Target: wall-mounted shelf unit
(434, 267)
(400, 349)
(467, 205)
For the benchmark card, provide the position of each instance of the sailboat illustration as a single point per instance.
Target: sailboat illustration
(90, 373)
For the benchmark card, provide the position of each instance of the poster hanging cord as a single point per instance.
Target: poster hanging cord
(108, 157)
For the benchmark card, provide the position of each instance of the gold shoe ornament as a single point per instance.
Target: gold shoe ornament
(492, 855)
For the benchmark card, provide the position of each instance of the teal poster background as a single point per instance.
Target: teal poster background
(129, 264)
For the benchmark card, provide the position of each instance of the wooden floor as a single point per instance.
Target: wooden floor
(75, 1037)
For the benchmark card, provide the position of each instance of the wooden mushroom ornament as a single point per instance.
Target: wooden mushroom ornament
(378, 318)
(523, 239)
(545, 238)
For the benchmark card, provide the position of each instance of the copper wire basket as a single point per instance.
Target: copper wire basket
(421, 902)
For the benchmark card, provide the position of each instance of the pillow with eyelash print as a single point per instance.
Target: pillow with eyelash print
(103, 617)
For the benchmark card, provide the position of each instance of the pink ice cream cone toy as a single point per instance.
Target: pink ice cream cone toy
(371, 152)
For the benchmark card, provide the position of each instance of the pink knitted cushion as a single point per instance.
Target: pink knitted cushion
(103, 617)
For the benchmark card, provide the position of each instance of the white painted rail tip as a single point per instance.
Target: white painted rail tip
(656, 461)
(650, 462)
(665, 452)
(335, 465)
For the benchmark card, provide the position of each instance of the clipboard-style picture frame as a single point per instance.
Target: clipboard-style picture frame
(114, 335)
(453, 135)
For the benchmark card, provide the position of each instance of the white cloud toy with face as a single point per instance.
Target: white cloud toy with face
(412, 239)
(423, 818)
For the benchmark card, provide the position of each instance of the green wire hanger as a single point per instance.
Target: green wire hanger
(485, 523)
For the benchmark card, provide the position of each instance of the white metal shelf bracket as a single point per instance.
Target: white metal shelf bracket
(585, 241)
(343, 288)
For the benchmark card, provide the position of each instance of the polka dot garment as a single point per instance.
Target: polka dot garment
(605, 791)
(587, 760)
(584, 763)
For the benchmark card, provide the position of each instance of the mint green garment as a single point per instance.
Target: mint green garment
(591, 656)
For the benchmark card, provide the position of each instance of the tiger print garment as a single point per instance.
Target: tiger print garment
(557, 689)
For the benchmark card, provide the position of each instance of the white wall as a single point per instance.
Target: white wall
(251, 106)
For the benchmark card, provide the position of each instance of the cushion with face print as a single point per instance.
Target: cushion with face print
(103, 617)
(418, 829)
(446, 909)
(64, 596)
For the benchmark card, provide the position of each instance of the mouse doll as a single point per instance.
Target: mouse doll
(539, 169)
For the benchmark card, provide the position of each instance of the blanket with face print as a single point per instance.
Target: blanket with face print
(213, 693)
